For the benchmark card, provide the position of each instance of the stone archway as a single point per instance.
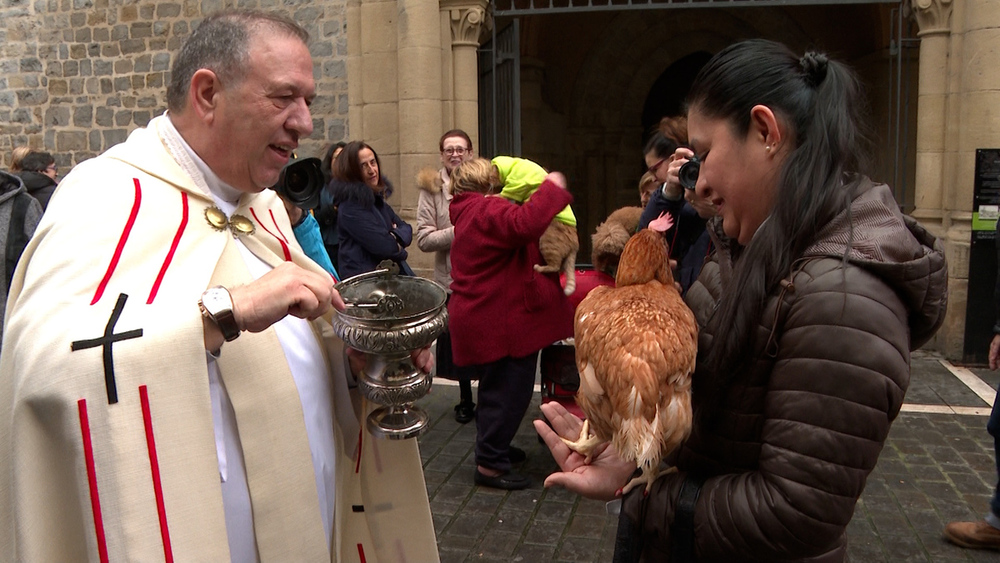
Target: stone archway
(667, 95)
(605, 122)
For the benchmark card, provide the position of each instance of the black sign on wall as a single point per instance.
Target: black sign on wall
(980, 313)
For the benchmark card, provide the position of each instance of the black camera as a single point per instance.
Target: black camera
(300, 182)
(688, 174)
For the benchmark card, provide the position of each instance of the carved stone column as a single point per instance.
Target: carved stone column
(419, 94)
(466, 19)
(934, 18)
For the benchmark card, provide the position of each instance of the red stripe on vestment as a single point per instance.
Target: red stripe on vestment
(95, 498)
(173, 249)
(361, 552)
(277, 227)
(121, 243)
(357, 465)
(284, 245)
(154, 467)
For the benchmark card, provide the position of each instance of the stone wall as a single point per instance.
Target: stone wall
(76, 76)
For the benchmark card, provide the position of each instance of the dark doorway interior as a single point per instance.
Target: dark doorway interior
(666, 97)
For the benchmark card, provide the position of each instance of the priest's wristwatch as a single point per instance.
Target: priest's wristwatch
(216, 305)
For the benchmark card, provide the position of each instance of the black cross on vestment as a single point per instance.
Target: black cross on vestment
(106, 341)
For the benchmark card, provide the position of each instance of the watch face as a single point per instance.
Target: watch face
(216, 299)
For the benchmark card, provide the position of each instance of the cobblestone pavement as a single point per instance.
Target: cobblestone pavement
(936, 467)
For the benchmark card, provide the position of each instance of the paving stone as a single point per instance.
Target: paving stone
(444, 508)
(579, 550)
(452, 541)
(482, 503)
(585, 527)
(516, 521)
(544, 533)
(904, 547)
(468, 525)
(498, 544)
(443, 462)
(529, 553)
(450, 492)
(452, 555)
(522, 502)
(554, 511)
(982, 556)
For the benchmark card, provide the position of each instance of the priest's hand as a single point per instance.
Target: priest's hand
(285, 290)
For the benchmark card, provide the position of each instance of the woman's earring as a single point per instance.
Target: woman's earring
(767, 147)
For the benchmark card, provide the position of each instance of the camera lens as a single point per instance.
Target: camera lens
(300, 182)
(296, 182)
(688, 174)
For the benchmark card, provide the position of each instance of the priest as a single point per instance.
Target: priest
(170, 382)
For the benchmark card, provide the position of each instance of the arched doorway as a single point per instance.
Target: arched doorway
(667, 94)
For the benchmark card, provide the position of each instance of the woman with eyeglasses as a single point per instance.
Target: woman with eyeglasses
(435, 233)
(688, 240)
(368, 228)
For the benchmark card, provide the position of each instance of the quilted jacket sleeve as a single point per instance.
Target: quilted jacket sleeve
(838, 376)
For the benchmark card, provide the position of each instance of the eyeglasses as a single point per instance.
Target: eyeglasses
(456, 150)
(652, 169)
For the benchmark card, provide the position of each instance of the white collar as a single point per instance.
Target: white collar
(225, 196)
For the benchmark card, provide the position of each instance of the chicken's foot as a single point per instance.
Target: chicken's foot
(585, 444)
(649, 474)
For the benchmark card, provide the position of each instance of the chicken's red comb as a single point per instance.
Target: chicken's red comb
(662, 223)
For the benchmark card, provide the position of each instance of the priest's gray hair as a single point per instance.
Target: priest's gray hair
(221, 43)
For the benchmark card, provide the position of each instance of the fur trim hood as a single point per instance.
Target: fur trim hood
(430, 180)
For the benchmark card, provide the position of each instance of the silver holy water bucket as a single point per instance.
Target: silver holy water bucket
(388, 316)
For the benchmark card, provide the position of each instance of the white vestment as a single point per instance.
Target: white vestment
(107, 448)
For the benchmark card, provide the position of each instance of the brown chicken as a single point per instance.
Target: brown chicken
(635, 350)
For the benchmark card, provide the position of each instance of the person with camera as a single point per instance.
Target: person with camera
(688, 240)
(368, 228)
(818, 290)
(299, 186)
(172, 384)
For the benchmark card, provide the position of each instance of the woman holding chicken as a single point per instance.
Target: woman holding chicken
(502, 312)
(818, 290)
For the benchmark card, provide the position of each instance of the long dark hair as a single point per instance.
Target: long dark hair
(821, 102)
(326, 164)
(347, 166)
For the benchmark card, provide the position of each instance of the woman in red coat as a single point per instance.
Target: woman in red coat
(502, 311)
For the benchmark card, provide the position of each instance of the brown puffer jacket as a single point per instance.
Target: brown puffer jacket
(799, 433)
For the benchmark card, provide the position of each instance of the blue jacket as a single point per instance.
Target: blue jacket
(308, 236)
(368, 228)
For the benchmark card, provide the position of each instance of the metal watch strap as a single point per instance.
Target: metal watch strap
(682, 530)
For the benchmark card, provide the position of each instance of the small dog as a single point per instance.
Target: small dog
(609, 239)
